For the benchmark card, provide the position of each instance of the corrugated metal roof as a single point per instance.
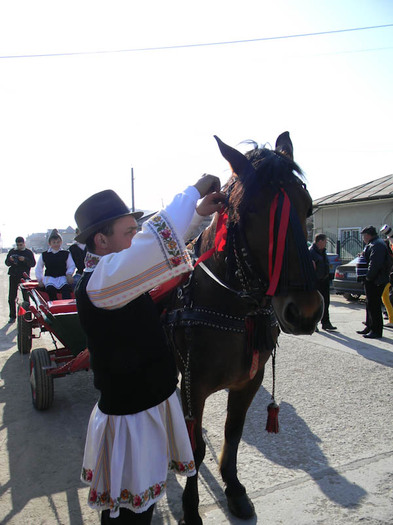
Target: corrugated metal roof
(376, 189)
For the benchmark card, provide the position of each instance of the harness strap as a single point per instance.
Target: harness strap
(205, 317)
(218, 281)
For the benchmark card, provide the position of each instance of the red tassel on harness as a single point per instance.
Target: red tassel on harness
(272, 417)
(190, 423)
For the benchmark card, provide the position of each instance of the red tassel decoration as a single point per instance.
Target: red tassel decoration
(272, 417)
(190, 423)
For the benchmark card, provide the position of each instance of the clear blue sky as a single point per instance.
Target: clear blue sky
(84, 97)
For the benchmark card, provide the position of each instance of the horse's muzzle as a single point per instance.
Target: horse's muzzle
(299, 312)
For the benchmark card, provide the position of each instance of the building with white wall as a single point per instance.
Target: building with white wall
(341, 216)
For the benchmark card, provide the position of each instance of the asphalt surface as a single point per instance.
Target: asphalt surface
(331, 462)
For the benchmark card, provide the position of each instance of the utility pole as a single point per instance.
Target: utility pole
(132, 190)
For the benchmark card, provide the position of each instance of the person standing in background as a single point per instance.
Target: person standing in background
(321, 265)
(19, 260)
(387, 230)
(375, 280)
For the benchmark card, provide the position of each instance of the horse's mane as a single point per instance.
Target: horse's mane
(271, 168)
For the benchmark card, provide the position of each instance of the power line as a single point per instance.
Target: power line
(201, 44)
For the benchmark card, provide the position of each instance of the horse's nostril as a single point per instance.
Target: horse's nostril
(292, 314)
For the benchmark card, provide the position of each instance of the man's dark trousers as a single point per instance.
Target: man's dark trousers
(13, 290)
(323, 287)
(374, 320)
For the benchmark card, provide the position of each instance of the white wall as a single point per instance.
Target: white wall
(352, 215)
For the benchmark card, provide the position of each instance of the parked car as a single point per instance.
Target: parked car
(334, 261)
(345, 281)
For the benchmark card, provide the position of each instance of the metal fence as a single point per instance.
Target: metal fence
(347, 247)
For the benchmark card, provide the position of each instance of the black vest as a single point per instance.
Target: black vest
(78, 256)
(55, 263)
(134, 369)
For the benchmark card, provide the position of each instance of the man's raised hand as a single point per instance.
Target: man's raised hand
(208, 184)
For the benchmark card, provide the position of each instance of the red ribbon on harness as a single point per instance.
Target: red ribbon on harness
(275, 270)
(220, 238)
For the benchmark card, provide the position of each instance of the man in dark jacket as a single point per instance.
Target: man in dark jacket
(377, 276)
(321, 265)
(19, 260)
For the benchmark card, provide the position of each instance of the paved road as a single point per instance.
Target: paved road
(332, 461)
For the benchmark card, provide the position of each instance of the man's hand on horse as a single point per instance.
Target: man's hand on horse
(207, 184)
(211, 203)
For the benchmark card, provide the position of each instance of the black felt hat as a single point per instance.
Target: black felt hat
(99, 210)
(370, 230)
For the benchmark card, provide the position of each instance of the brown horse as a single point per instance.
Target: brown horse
(223, 325)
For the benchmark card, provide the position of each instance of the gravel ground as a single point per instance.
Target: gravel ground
(332, 461)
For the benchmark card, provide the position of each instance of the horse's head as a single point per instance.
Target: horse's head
(268, 205)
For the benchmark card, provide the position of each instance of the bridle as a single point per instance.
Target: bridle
(255, 287)
(255, 291)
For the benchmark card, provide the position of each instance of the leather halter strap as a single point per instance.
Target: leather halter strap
(239, 293)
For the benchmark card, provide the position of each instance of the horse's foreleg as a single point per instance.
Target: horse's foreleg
(190, 494)
(238, 403)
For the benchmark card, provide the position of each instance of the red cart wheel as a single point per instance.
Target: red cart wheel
(41, 383)
(24, 338)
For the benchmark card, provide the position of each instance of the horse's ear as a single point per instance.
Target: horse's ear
(284, 144)
(239, 162)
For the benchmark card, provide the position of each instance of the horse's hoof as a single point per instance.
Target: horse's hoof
(241, 506)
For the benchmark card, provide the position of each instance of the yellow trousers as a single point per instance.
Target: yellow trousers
(387, 303)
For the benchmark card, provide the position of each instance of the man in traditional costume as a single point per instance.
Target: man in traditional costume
(55, 268)
(78, 252)
(137, 429)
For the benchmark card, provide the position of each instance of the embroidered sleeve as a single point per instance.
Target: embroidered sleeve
(195, 227)
(156, 255)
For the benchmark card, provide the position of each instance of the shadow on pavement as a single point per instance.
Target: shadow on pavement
(295, 447)
(7, 335)
(365, 347)
(49, 463)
